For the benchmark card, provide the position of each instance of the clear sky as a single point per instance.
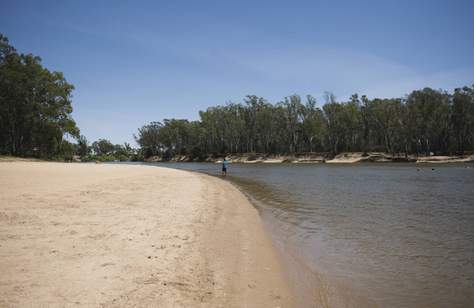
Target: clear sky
(133, 62)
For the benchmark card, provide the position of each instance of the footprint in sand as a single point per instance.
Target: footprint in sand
(107, 264)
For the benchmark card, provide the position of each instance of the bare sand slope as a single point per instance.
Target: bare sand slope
(131, 236)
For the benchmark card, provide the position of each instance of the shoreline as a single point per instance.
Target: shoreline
(116, 235)
(309, 280)
(321, 158)
(308, 287)
(308, 158)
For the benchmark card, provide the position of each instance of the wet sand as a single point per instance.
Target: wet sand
(131, 236)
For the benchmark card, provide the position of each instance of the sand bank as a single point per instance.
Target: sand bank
(446, 159)
(131, 236)
(323, 157)
(378, 157)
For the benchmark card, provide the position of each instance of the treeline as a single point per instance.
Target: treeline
(425, 122)
(35, 120)
(35, 107)
(104, 150)
(35, 114)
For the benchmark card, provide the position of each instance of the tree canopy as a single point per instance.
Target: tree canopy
(35, 107)
(425, 121)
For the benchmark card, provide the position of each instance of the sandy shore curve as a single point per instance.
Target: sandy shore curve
(131, 236)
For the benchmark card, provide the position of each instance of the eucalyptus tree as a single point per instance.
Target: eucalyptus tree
(352, 120)
(148, 139)
(35, 106)
(313, 125)
(174, 136)
(83, 148)
(197, 140)
(333, 113)
(462, 117)
(292, 109)
(127, 148)
(266, 127)
(103, 147)
(429, 114)
(384, 118)
(251, 103)
(426, 121)
(234, 126)
(212, 129)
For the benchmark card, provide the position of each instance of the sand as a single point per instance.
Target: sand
(131, 236)
(446, 159)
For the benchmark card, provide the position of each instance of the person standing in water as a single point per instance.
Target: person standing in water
(224, 166)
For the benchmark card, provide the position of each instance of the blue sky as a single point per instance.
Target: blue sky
(133, 62)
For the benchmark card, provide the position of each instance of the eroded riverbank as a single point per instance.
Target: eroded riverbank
(318, 158)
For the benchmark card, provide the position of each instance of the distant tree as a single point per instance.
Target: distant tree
(313, 126)
(333, 112)
(149, 139)
(103, 147)
(68, 150)
(329, 97)
(424, 122)
(292, 108)
(352, 120)
(429, 115)
(83, 148)
(5, 48)
(127, 148)
(462, 117)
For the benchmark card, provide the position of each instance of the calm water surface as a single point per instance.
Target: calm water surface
(367, 235)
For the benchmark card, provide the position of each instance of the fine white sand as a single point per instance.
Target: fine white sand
(131, 236)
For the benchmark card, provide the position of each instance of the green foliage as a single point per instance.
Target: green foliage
(35, 107)
(83, 148)
(104, 150)
(462, 118)
(35, 120)
(427, 121)
(150, 140)
(103, 147)
(101, 158)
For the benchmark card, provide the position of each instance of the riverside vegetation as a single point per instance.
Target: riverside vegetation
(35, 113)
(426, 122)
(36, 121)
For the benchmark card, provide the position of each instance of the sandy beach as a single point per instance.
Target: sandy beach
(131, 236)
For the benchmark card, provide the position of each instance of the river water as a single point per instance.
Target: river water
(367, 235)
